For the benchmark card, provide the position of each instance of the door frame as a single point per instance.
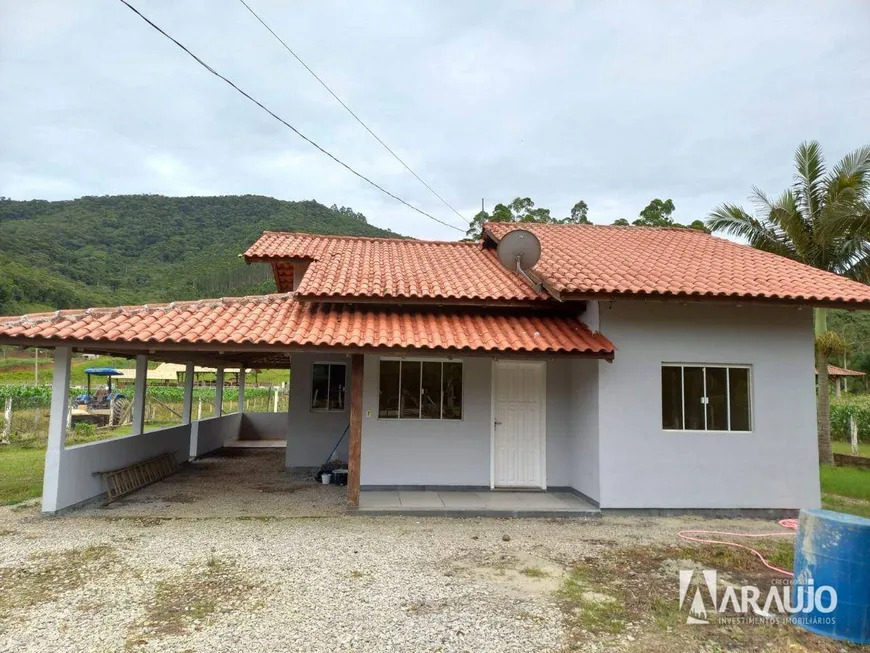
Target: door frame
(542, 395)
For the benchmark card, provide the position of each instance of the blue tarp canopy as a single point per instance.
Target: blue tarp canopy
(103, 371)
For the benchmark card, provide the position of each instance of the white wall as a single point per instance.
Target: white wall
(643, 466)
(584, 425)
(76, 480)
(313, 434)
(210, 434)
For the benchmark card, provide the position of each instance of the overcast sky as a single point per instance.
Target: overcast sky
(613, 103)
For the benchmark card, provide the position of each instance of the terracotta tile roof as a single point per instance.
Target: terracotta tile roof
(842, 371)
(611, 260)
(281, 321)
(390, 268)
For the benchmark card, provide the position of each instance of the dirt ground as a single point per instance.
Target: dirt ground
(233, 553)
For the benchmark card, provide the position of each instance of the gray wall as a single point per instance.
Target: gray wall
(435, 452)
(264, 426)
(560, 429)
(429, 452)
(210, 434)
(643, 466)
(76, 480)
(313, 434)
(584, 425)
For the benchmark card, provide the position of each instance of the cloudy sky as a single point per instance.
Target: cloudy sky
(613, 103)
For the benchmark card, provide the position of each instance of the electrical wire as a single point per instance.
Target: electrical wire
(284, 122)
(350, 111)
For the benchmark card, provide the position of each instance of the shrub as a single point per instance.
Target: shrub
(857, 406)
(84, 432)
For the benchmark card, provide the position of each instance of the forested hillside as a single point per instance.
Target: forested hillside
(145, 248)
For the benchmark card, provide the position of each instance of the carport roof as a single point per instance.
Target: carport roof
(246, 328)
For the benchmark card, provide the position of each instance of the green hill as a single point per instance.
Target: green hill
(131, 249)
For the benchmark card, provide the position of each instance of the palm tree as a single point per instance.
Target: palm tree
(823, 220)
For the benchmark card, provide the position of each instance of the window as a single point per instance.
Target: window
(420, 390)
(705, 398)
(328, 386)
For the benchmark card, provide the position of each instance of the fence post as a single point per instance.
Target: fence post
(199, 409)
(7, 422)
(111, 410)
(275, 403)
(853, 432)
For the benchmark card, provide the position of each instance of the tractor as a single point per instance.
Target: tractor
(103, 407)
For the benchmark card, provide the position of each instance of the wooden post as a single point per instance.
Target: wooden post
(275, 401)
(187, 406)
(7, 422)
(139, 395)
(356, 421)
(853, 434)
(837, 386)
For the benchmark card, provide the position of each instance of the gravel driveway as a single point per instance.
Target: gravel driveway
(196, 563)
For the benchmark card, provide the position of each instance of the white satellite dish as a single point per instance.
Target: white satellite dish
(518, 251)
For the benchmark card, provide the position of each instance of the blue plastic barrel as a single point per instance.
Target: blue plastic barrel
(833, 550)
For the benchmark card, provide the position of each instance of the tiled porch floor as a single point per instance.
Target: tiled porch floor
(498, 503)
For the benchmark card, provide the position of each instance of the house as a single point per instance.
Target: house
(640, 368)
(839, 376)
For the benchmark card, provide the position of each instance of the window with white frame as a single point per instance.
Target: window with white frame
(420, 389)
(706, 397)
(328, 386)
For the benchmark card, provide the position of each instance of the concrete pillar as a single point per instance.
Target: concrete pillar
(56, 429)
(837, 386)
(219, 392)
(356, 420)
(139, 398)
(241, 389)
(187, 407)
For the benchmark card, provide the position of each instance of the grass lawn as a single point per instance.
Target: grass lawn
(845, 447)
(20, 474)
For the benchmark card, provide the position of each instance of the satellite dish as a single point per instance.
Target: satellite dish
(519, 250)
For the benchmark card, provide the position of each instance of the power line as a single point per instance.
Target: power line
(284, 122)
(350, 111)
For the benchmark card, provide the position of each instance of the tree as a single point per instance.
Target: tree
(656, 214)
(579, 213)
(823, 220)
(522, 209)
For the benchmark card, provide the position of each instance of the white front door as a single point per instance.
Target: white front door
(519, 441)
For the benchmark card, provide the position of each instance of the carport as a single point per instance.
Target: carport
(249, 332)
(73, 473)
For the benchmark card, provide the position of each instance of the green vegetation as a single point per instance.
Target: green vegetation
(133, 249)
(842, 408)
(823, 220)
(849, 506)
(20, 474)
(852, 482)
(534, 572)
(846, 448)
(656, 214)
